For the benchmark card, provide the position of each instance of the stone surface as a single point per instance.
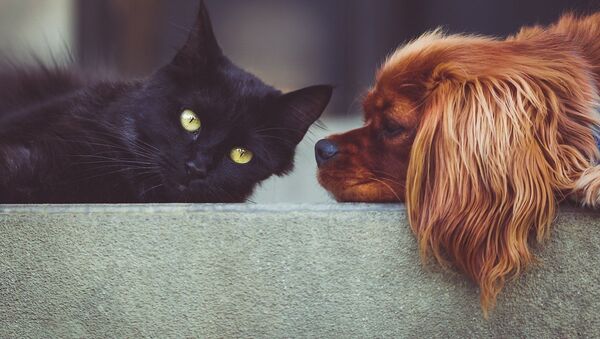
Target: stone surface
(271, 271)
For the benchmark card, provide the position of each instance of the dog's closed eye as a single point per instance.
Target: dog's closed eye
(392, 128)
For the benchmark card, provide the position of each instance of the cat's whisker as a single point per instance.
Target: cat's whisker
(283, 129)
(149, 146)
(321, 125)
(110, 131)
(110, 160)
(151, 189)
(106, 157)
(97, 172)
(118, 169)
(103, 168)
(95, 176)
(285, 141)
(310, 139)
(138, 145)
(223, 191)
(111, 148)
(211, 192)
(263, 151)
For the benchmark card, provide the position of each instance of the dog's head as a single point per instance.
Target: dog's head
(371, 163)
(480, 138)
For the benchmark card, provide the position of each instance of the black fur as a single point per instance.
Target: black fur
(64, 139)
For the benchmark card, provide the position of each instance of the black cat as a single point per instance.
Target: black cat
(199, 129)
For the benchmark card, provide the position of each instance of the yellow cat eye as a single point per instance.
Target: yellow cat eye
(241, 155)
(190, 121)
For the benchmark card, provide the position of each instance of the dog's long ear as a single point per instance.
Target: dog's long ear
(490, 160)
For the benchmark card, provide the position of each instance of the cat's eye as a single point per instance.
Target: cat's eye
(241, 156)
(190, 121)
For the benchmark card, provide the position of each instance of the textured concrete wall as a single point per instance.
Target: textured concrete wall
(271, 271)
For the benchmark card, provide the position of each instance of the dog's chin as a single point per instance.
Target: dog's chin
(359, 190)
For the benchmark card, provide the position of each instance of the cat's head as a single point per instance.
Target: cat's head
(217, 131)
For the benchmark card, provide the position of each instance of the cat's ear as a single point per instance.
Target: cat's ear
(201, 48)
(298, 110)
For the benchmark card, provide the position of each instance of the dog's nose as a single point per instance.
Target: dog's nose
(325, 150)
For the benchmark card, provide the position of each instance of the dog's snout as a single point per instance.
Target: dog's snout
(325, 150)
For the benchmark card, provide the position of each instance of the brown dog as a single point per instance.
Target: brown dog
(482, 138)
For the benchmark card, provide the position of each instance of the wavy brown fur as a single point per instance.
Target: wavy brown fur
(498, 132)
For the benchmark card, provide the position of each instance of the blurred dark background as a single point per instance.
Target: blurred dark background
(292, 43)
(288, 43)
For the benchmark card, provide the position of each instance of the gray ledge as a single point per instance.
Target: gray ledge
(272, 271)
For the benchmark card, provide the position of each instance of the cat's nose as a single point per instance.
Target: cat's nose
(195, 170)
(325, 150)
